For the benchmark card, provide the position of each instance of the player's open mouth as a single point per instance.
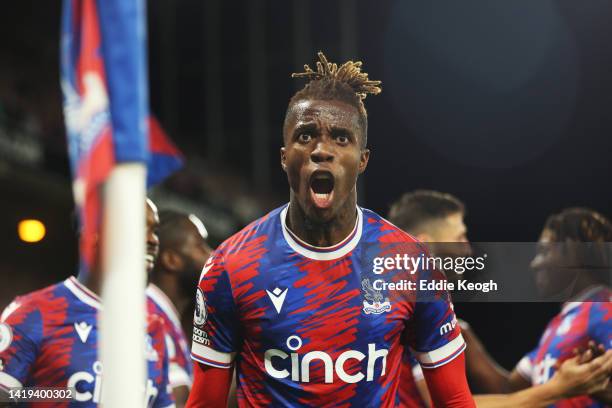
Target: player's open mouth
(150, 258)
(322, 188)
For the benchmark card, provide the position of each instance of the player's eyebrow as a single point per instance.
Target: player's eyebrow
(341, 131)
(305, 127)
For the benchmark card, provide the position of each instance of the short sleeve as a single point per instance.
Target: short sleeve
(214, 321)
(435, 336)
(415, 367)
(20, 337)
(178, 374)
(525, 365)
(600, 323)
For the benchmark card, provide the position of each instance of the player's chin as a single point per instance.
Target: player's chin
(318, 214)
(543, 284)
(149, 262)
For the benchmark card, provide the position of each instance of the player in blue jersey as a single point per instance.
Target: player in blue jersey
(183, 251)
(574, 259)
(294, 301)
(437, 219)
(49, 338)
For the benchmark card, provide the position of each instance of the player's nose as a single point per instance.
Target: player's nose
(152, 239)
(323, 151)
(537, 262)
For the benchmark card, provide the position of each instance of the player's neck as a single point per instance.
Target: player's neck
(91, 281)
(172, 289)
(583, 284)
(322, 234)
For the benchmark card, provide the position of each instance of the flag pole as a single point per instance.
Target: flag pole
(112, 150)
(122, 322)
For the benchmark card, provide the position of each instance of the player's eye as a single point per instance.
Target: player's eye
(304, 137)
(342, 139)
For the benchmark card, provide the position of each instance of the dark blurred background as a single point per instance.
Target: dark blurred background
(504, 104)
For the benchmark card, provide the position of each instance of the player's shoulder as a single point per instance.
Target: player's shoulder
(376, 225)
(256, 232)
(156, 325)
(39, 301)
(598, 297)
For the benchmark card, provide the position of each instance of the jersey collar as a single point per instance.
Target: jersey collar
(82, 293)
(322, 253)
(582, 297)
(160, 299)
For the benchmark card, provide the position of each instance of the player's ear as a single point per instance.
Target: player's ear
(171, 261)
(363, 160)
(283, 157)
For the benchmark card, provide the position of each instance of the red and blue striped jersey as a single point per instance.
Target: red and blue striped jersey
(49, 338)
(311, 326)
(180, 365)
(587, 318)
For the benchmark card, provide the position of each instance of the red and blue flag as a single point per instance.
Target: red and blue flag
(106, 108)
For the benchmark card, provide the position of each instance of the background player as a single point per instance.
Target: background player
(285, 294)
(49, 338)
(183, 251)
(442, 216)
(573, 257)
(437, 219)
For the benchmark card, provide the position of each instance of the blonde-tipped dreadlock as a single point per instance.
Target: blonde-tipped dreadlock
(345, 83)
(348, 73)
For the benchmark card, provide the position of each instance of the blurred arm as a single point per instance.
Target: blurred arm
(180, 395)
(572, 379)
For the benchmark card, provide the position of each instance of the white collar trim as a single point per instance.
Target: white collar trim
(82, 293)
(580, 299)
(163, 301)
(322, 256)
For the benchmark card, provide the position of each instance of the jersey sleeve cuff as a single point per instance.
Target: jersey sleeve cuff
(208, 356)
(524, 368)
(178, 376)
(417, 373)
(440, 356)
(8, 381)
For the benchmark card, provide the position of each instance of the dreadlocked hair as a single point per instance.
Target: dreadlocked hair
(587, 236)
(345, 83)
(580, 225)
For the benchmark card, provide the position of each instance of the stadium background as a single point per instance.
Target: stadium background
(506, 106)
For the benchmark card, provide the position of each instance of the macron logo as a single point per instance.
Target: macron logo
(277, 296)
(83, 330)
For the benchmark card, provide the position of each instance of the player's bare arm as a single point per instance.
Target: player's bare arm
(575, 377)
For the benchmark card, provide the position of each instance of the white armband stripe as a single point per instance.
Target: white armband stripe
(417, 373)
(524, 368)
(442, 355)
(206, 355)
(9, 381)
